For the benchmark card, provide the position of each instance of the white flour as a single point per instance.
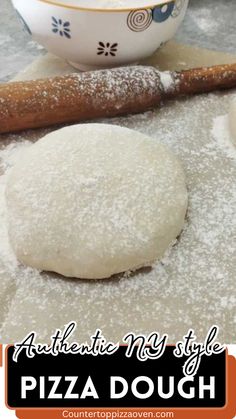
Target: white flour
(193, 286)
(221, 133)
(112, 4)
(203, 18)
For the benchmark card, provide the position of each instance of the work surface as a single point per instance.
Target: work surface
(208, 24)
(194, 285)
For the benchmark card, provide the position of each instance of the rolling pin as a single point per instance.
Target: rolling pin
(103, 93)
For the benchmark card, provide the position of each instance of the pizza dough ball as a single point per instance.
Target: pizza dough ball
(232, 121)
(92, 200)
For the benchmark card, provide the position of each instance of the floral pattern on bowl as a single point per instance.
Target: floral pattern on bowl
(93, 39)
(60, 27)
(106, 48)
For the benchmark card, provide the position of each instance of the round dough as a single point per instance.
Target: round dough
(232, 121)
(92, 200)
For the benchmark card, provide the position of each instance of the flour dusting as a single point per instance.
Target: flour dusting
(168, 81)
(202, 17)
(222, 136)
(194, 285)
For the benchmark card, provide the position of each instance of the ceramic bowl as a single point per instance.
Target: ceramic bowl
(98, 38)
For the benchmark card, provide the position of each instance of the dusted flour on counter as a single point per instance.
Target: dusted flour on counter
(195, 282)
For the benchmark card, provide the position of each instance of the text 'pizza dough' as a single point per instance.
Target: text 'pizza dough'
(93, 200)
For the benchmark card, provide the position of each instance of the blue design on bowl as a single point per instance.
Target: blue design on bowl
(163, 12)
(22, 20)
(60, 27)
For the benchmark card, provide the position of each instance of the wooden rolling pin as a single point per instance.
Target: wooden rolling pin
(102, 93)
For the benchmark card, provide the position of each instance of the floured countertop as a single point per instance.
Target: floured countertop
(194, 285)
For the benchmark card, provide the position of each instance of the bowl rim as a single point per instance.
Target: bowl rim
(106, 10)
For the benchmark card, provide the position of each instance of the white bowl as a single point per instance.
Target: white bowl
(99, 38)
